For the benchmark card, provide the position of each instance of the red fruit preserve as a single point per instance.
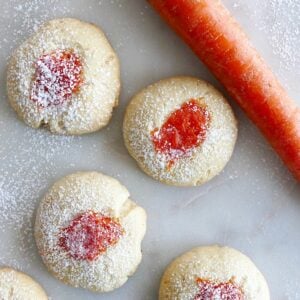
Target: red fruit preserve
(185, 129)
(57, 76)
(213, 291)
(89, 235)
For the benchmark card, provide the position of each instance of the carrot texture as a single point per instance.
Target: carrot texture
(218, 40)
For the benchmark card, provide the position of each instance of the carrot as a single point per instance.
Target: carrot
(217, 39)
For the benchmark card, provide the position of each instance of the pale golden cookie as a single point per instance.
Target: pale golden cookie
(181, 131)
(212, 273)
(15, 285)
(89, 233)
(65, 77)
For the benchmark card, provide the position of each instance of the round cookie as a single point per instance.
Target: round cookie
(89, 233)
(181, 131)
(65, 77)
(15, 285)
(211, 273)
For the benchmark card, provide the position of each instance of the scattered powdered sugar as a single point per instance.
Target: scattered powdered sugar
(151, 108)
(34, 152)
(199, 274)
(281, 24)
(66, 58)
(89, 235)
(214, 291)
(29, 159)
(22, 18)
(26, 165)
(79, 201)
(15, 285)
(26, 16)
(184, 130)
(27, 156)
(58, 76)
(24, 161)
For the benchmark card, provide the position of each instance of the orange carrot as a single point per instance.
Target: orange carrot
(217, 39)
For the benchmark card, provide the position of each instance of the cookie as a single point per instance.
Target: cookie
(89, 233)
(211, 273)
(15, 285)
(181, 131)
(65, 77)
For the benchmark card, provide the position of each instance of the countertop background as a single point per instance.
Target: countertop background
(254, 205)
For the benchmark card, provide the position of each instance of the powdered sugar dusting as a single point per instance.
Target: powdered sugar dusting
(213, 273)
(281, 24)
(70, 201)
(26, 165)
(15, 285)
(89, 235)
(151, 108)
(58, 75)
(184, 130)
(29, 15)
(75, 75)
(217, 291)
(259, 179)
(29, 159)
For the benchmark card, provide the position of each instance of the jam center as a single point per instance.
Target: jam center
(214, 291)
(89, 235)
(57, 76)
(185, 129)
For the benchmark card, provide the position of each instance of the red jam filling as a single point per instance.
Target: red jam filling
(185, 129)
(89, 235)
(57, 76)
(213, 291)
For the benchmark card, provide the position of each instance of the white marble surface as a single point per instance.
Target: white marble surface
(254, 205)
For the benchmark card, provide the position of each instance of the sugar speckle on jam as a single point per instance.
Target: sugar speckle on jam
(185, 129)
(57, 76)
(215, 291)
(89, 235)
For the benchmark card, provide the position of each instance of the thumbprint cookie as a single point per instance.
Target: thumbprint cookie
(65, 77)
(15, 285)
(211, 273)
(181, 131)
(89, 233)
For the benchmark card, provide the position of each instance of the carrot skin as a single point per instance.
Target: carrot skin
(217, 39)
